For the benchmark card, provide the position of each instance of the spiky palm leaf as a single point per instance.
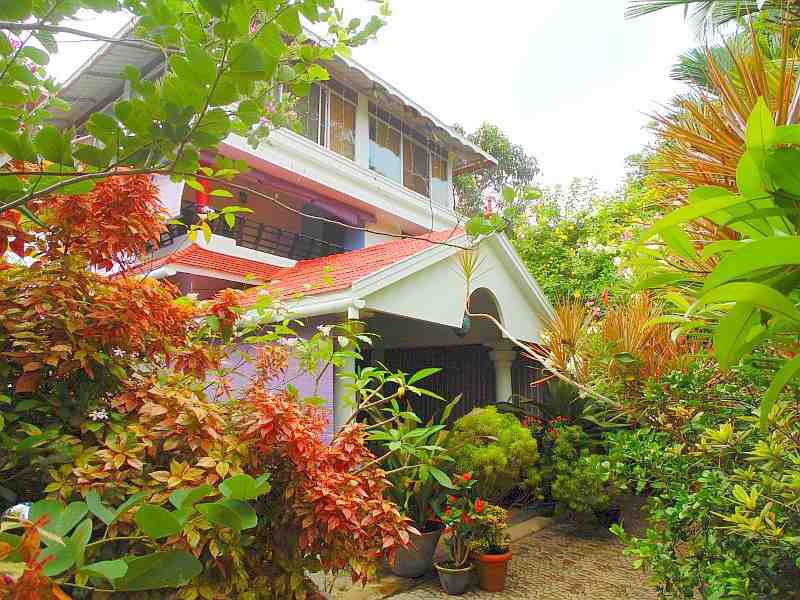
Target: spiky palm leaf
(702, 134)
(710, 15)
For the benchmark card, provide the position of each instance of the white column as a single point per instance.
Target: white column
(362, 131)
(343, 404)
(503, 359)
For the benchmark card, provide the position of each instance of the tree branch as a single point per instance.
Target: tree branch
(132, 42)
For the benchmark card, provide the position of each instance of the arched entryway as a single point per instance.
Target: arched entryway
(476, 361)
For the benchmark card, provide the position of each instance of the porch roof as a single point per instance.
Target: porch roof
(339, 271)
(197, 257)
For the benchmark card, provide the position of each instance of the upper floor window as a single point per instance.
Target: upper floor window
(403, 155)
(328, 117)
(385, 153)
(440, 187)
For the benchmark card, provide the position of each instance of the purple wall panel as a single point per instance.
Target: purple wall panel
(306, 383)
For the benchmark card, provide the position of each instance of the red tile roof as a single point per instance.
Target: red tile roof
(340, 271)
(308, 277)
(202, 258)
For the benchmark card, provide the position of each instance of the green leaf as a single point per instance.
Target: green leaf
(271, 40)
(246, 58)
(289, 19)
(422, 374)
(787, 134)
(201, 63)
(49, 508)
(736, 334)
(748, 176)
(11, 94)
(782, 168)
(441, 477)
(786, 373)
(37, 55)
(234, 514)
(53, 145)
(677, 241)
(703, 207)
(659, 280)
(753, 294)
(241, 487)
(107, 569)
(186, 497)
(16, 10)
(67, 518)
(767, 253)
(60, 557)
(760, 131)
(171, 569)
(98, 509)
(157, 522)
(79, 539)
(137, 498)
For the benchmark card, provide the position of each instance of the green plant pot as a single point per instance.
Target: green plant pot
(416, 560)
(454, 581)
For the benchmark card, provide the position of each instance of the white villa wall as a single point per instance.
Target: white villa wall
(436, 294)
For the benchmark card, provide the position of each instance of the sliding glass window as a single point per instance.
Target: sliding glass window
(384, 149)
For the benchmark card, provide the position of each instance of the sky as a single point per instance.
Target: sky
(570, 80)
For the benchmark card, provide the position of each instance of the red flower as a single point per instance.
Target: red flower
(466, 477)
(448, 512)
(480, 504)
(452, 499)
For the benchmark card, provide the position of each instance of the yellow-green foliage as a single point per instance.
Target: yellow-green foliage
(499, 452)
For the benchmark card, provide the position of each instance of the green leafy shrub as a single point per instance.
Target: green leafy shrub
(497, 449)
(722, 492)
(583, 481)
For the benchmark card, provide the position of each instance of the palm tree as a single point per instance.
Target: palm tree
(710, 15)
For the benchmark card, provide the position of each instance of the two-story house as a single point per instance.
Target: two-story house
(377, 166)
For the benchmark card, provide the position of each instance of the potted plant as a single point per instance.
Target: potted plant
(459, 516)
(412, 456)
(490, 547)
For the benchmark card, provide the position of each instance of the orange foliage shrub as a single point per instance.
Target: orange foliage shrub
(108, 380)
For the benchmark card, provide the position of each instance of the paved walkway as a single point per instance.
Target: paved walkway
(565, 561)
(561, 562)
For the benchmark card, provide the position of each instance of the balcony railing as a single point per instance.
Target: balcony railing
(257, 236)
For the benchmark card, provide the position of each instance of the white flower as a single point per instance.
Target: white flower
(207, 210)
(343, 341)
(288, 341)
(119, 352)
(98, 414)
(325, 329)
(617, 261)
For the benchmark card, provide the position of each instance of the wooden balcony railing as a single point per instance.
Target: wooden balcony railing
(258, 236)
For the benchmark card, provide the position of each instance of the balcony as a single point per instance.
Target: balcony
(262, 237)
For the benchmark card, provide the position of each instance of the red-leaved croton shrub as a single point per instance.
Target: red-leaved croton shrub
(106, 386)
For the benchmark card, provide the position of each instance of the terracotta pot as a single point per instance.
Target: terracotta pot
(492, 570)
(418, 558)
(454, 581)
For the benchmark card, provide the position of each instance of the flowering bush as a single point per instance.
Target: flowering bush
(490, 535)
(459, 511)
